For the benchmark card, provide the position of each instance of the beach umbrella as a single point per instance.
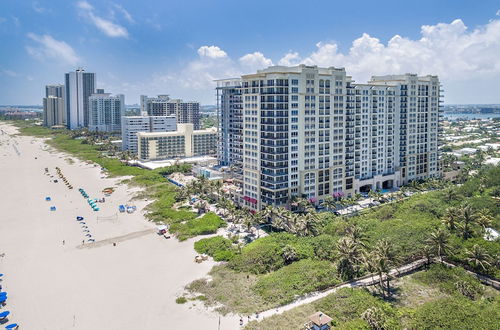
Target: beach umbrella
(79, 218)
(91, 240)
(82, 223)
(96, 209)
(11, 326)
(4, 314)
(88, 235)
(3, 299)
(1, 275)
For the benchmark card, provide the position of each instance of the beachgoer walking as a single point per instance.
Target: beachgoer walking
(83, 242)
(64, 242)
(241, 321)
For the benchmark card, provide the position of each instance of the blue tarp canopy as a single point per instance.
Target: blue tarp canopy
(2, 299)
(4, 314)
(11, 326)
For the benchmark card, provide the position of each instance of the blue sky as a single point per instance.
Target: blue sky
(179, 47)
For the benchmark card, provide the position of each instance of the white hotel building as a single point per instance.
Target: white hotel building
(312, 132)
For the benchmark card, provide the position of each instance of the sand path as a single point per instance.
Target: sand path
(132, 285)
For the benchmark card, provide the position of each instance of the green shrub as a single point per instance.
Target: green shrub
(181, 300)
(324, 247)
(259, 257)
(208, 224)
(224, 255)
(211, 245)
(217, 247)
(283, 285)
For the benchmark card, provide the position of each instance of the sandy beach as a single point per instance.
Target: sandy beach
(52, 285)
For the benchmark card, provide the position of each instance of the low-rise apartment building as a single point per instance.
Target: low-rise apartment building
(131, 125)
(185, 142)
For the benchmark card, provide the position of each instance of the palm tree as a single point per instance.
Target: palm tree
(438, 241)
(281, 218)
(484, 219)
(367, 261)
(302, 205)
(479, 257)
(293, 224)
(269, 212)
(309, 224)
(329, 203)
(348, 256)
(468, 217)
(384, 259)
(289, 254)
(450, 194)
(451, 218)
(427, 253)
(356, 234)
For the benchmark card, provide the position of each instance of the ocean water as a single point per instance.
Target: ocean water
(453, 116)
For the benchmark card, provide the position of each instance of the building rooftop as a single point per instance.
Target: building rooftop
(319, 318)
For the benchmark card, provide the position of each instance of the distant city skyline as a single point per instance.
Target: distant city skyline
(152, 47)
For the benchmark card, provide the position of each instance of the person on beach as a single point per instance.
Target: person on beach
(83, 242)
(64, 242)
(241, 321)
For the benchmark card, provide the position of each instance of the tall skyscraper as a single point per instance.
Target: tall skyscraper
(53, 111)
(54, 90)
(230, 120)
(312, 132)
(106, 111)
(163, 105)
(79, 86)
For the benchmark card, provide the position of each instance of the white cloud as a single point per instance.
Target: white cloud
(290, 59)
(449, 50)
(38, 8)
(255, 61)
(16, 21)
(106, 26)
(10, 73)
(211, 52)
(124, 13)
(462, 57)
(49, 48)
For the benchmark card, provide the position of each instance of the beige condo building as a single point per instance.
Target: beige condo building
(185, 142)
(312, 132)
